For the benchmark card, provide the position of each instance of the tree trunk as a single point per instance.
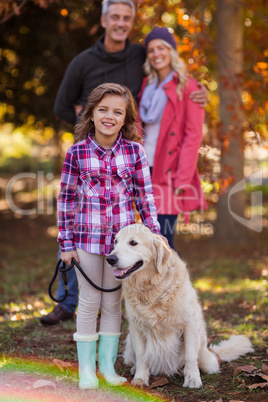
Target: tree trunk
(230, 66)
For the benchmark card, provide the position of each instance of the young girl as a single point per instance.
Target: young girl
(104, 171)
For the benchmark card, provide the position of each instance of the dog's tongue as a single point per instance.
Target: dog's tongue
(120, 272)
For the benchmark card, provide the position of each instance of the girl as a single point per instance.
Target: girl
(104, 171)
(173, 131)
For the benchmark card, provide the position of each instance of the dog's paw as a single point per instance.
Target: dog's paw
(139, 382)
(192, 382)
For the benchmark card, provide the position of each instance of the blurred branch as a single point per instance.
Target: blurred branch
(16, 10)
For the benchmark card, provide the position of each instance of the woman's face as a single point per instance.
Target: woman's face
(159, 56)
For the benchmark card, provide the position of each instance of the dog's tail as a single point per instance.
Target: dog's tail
(231, 349)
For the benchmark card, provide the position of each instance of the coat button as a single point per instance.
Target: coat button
(170, 152)
(169, 170)
(172, 133)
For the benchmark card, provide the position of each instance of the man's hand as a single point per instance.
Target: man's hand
(200, 96)
(66, 256)
(78, 109)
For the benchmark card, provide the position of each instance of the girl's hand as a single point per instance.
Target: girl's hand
(66, 256)
(165, 240)
(200, 96)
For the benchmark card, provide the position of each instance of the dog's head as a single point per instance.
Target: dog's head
(135, 248)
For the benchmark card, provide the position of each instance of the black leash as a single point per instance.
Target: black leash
(63, 271)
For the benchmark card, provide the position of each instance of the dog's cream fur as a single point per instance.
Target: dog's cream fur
(166, 327)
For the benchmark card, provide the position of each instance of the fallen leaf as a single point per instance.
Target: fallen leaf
(264, 368)
(43, 383)
(258, 385)
(248, 369)
(61, 364)
(159, 383)
(264, 376)
(218, 357)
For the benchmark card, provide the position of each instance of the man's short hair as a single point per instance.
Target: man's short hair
(107, 3)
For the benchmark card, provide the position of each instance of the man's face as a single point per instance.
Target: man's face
(118, 22)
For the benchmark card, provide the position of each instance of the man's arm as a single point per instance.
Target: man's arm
(68, 94)
(200, 96)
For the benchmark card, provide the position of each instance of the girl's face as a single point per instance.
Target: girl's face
(108, 117)
(159, 56)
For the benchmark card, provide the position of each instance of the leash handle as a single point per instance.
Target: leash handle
(63, 271)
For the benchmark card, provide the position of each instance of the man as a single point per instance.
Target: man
(112, 59)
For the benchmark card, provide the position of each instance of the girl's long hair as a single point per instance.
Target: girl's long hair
(177, 65)
(86, 125)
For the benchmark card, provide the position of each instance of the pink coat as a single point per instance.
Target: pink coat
(175, 162)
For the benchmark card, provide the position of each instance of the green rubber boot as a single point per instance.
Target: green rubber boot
(107, 353)
(86, 349)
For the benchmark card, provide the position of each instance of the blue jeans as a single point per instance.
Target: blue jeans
(167, 227)
(71, 301)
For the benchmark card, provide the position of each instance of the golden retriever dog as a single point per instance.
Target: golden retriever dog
(167, 332)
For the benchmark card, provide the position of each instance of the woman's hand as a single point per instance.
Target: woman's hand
(179, 191)
(200, 96)
(66, 256)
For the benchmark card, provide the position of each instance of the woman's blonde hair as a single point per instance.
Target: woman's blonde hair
(86, 125)
(177, 65)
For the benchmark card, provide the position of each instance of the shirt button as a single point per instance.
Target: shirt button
(165, 87)
(172, 133)
(108, 167)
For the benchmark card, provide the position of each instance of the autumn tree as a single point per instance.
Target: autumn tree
(37, 41)
(232, 118)
(239, 82)
(224, 44)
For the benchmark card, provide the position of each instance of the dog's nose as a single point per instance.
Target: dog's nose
(112, 259)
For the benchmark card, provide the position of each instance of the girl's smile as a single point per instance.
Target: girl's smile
(108, 117)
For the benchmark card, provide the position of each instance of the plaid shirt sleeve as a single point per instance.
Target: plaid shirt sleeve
(68, 202)
(143, 193)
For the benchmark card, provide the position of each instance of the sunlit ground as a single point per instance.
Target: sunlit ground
(232, 289)
(40, 380)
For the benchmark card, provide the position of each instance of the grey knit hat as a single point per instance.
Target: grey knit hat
(161, 33)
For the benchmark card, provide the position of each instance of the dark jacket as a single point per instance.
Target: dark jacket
(93, 67)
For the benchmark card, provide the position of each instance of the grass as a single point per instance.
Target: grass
(232, 287)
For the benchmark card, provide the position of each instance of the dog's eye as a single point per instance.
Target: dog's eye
(133, 243)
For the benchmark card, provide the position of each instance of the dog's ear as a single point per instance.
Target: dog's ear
(160, 252)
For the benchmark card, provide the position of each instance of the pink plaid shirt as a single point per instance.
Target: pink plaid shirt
(98, 187)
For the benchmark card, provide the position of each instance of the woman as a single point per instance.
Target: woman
(172, 125)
